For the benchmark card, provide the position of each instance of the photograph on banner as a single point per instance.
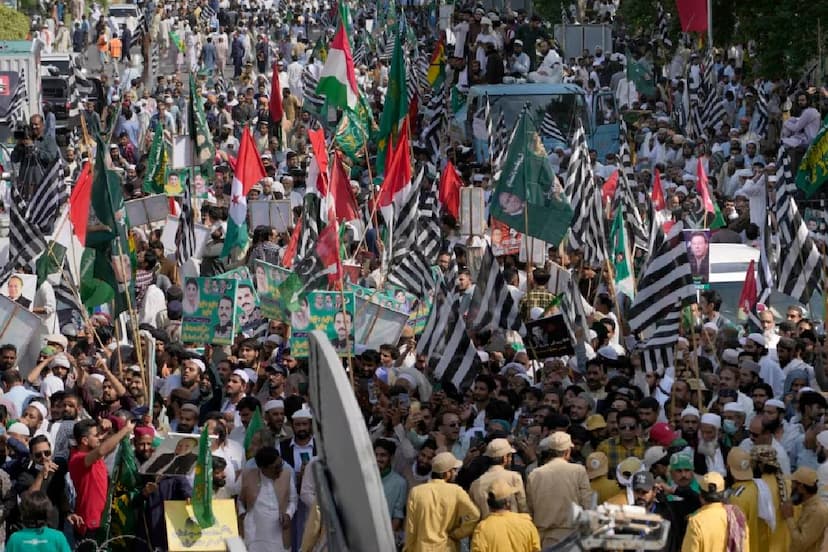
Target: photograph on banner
(248, 305)
(209, 307)
(505, 240)
(817, 222)
(361, 291)
(323, 311)
(176, 455)
(184, 533)
(548, 337)
(18, 325)
(267, 279)
(697, 243)
(398, 299)
(377, 325)
(21, 289)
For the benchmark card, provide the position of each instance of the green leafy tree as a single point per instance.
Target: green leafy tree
(13, 25)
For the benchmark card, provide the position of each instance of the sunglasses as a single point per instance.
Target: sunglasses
(626, 427)
(43, 454)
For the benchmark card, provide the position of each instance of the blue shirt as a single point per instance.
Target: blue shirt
(395, 488)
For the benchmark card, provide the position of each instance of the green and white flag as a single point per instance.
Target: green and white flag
(203, 149)
(621, 258)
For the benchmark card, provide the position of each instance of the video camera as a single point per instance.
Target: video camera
(23, 131)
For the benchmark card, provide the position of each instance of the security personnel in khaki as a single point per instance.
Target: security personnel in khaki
(503, 529)
(744, 493)
(439, 513)
(597, 467)
(499, 453)
(709, 529)
(807, 531)
(554, 486)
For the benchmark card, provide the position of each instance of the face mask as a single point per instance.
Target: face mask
(733, 215)
(729, 427)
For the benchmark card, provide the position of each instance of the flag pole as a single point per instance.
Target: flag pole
(693, 360)
(348, 343)
(614, 295)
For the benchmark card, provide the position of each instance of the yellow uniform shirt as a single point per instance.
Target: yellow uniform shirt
(479, 491)
(807, 531)
(707, 530)
(605, 488)
(745, 496)
(439, 514)
(506, 530)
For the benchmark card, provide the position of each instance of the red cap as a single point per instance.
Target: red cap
(661, 434)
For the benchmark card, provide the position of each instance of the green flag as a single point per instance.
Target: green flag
(621, 255)
(349, 136)
(527, 196)
(640, 72)
(718, 218)
(179, 43)
(51, 262)
(256, 423)
(345, 16)
(119, 513)
(458, 99)
(813, 169)
(396, 101)
(203, 149)
(203, 483)
(156, 175)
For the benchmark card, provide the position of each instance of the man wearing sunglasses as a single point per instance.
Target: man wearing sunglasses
(47, 474)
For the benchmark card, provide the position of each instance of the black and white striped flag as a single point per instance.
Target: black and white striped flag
(48, 199)
(457, 360)
(26, 241)
(206, 16)
(587, 228)
(492, 306)
(762, 110)
(311, 225)
(410, 269)
(573, 309)
(429, 236)
(185, 240)
(799, 270)
(309, 84)
(659, 350)
(19, 101)
(549, 128)
(625, 196)
(667, 280)
(662, 26)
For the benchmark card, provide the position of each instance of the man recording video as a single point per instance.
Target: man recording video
(35, 151)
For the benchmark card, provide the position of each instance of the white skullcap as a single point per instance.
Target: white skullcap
(302, 414)
(199, 363)
(608, 352)
(98, 377)
(242, 375)
(712, 419)
(734, 407)
(690, 411)
(275, 403)
(776, 403)
(40, 408)
(409, 378)
(20, 428)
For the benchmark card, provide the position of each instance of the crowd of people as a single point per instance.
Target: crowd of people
(728, 443)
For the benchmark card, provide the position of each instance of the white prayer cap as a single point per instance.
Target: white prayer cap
(776, 403)
(689, 178)
(806, 389)
(198, 363)
(19, 428)
(757, 338)
(712, 419)
(730, 356)
(734, 407)
(744, 173)
(302, 414)
(683, 341)
(61, 361)
(681, 190)
(40, 408)
(99, 377)
(608, 352)
(275, 403)
(242, 375)
(518, 41)
(690, 411)
(410, 379)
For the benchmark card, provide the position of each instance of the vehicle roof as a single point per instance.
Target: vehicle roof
(121, 6)
(15, 47)
(525, 89)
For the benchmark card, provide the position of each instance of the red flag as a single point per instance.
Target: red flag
(449, 192)
(175, 210)
(275, 105)
(701, 187)
(79, 203)
(749, 295)
(397, 174)
(662, 214)
(693, 15)
(340, 186)
(293, 245)
(328, 250)
(608, 189)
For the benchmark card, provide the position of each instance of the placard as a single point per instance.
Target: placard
(322, 310)
(202, 235)
(377, 325)
(538, 249)
(18, 325)
(559, 279)
(182, 152)
(396, 298)
(548, 337)
(472, 212)
(148, 209)
(185, 535)
(248, 305)
(505, 240)
(276, 214)
(209, 307)
(268, 278)
(21, 289)
(697, 243)
(176, 455)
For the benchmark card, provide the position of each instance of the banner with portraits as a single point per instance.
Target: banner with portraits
(323, 311)
(209, 308)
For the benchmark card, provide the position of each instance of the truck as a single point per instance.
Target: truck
(562, 103)
(19, 70)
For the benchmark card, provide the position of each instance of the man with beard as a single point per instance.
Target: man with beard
(298, 452)
(769, 370)
(8, 357)
(789, 352)
(60, 431)
(143, 443)
(220, 489)
(684, 498)
(690, 425)
(801, 129)
(710, 453)
(786, 433)
(760, 394)
(807, 450)
(44, 473)
(420, 470)
(808, 528)
(579, 409)
(650, 497)
(761, 435)
(274, 414)
(188, 378)
(733, 425)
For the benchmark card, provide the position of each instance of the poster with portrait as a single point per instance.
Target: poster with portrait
(176, 455)
(548, 337)
(697, 243)
(323, 311)
(184, 533)
(377, 325)
(267, 279)
(249, 316)
(505, 240)
(209, 308)
(21, 289)
(396, 298)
